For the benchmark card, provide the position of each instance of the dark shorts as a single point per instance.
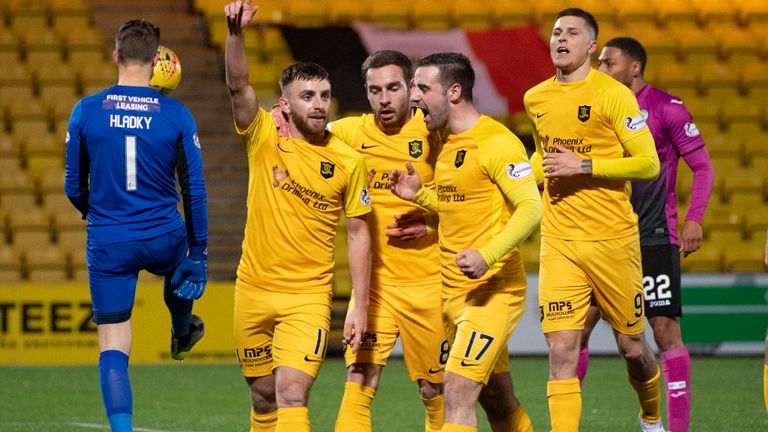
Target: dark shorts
(114, 268)
(661, 281)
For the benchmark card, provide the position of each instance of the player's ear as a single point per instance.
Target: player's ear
(115, 58)
(285, 107)
(592, 47)
(155, 59)
(454, 93)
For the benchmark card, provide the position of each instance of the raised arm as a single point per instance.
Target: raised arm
(359, 240)
(245, 104)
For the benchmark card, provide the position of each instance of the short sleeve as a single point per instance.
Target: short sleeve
(357, 199)
(261, 128)
(623, 113)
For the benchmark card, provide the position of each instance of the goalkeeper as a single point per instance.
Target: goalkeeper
(124, 147)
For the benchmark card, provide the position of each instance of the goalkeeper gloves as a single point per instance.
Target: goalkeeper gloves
(190, 275)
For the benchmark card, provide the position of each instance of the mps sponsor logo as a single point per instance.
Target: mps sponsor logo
(634, 123)
(555, 311)
(254, 356)
(523, 169)
(691, 130)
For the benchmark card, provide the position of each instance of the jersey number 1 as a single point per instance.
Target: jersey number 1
(130, 163)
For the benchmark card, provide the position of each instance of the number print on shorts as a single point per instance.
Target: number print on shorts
(478, 336)
(445, 349)
(657, 289)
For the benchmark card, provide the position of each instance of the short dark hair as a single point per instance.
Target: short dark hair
(389, 57)
(305, 71)
(632, 48)
(581, 13)
(455, 68)
(137, 41)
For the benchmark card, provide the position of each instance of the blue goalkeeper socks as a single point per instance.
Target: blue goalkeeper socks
(116, 389)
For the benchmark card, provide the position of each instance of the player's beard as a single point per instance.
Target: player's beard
(306, 128)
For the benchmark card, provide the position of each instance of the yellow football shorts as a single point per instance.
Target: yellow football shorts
(274, 329)
(572, 272)
(413, 314)
(479, 322)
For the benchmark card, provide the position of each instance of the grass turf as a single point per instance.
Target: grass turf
(727, 395)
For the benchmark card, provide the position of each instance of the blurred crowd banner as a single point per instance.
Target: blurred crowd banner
(52, 325)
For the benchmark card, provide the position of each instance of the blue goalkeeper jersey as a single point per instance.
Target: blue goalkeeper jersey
(126, 146)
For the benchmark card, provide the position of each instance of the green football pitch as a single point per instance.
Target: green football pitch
(727, 396)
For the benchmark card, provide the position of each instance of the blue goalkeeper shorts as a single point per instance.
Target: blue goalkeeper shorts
(113, 270)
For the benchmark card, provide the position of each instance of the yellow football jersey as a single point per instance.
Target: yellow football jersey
(476, 170)
(296, 193)
(593, 118)
(394, 262)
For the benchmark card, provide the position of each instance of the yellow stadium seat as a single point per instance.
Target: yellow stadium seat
(57, 205)
(13, 182)
(307, 13)
(721, 145)
(346, 11)
(748, 202)
(708, 259)
(744, 180)
(631, 13)
(702, 108)
(718, 75)
(671, 13)
(755, 75)
(754, 12)
(10, 266)
(390, 14)
(270, 12)
(46, 145)
(29, 22)
(512, 13)
(693, 39)
(472, 15)
(430, 14)
(735, 40)
(724, 165)
(73, 241)
(9, 48)
(39, 165)
(754, 149)
(676, 75)
(757, 224)
(744, 257)
(715, 11)
(30, 228)
(46, 264)
(742, 110)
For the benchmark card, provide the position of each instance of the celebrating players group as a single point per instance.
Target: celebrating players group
(437, 198)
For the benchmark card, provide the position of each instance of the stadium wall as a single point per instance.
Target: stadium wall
(39, 324)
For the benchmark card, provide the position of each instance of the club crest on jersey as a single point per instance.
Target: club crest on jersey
(584, 111)
(415, 149)
(327, 169)
(460, 158)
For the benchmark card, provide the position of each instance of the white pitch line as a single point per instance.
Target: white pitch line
(104, 427)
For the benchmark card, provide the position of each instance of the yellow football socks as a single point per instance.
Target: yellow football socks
(564, 397)
(292, 419)
(263, 422)
(451, 427)
(765, 386)
(355, 411)
(649, 395)
(433, 420)
(518, 421)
